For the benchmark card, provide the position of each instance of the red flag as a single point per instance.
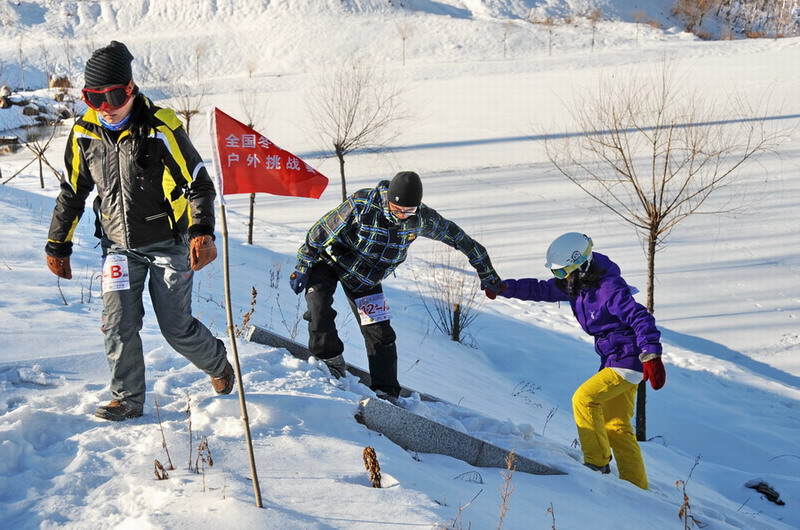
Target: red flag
(248, 162)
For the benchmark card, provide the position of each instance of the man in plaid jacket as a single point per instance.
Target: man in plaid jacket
(360, 243)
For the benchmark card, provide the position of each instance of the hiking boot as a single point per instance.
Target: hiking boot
(336, 365)
(386, 396)
(117, 411)
(605, 470)
(223, 383)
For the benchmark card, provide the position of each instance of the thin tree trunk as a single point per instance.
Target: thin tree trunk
(252, 217)
(651, 269)
(641, 412)
(340, 156)
(456, 334)
(641, 393)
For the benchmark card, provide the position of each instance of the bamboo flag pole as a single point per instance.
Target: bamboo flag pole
(253, 164)
(232, 336)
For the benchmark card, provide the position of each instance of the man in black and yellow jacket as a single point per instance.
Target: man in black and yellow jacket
(155, 217)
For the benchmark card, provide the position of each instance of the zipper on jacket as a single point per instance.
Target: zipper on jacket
(123, 207)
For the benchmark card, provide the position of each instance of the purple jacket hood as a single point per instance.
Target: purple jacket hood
(622, 328)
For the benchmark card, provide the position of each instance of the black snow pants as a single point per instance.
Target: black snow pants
(323, 339)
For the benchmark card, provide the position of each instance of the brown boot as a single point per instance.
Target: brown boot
(223, 383)
(117, 411)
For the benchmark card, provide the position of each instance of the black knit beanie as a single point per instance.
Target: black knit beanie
(405, 189)
(110, 65)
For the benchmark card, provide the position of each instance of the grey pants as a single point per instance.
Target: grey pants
(170, 287)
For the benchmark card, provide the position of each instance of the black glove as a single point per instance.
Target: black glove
(297, 281)
(492, 287)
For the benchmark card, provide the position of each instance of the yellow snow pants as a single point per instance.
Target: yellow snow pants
(603, 407)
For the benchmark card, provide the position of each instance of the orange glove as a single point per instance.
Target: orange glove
(60, 267)
(202, 251)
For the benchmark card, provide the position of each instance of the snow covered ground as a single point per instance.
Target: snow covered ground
(727, 292)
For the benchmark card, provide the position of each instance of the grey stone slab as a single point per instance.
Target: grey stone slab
(268, 338)
(263, 336)
(413, 432)
(407, 429)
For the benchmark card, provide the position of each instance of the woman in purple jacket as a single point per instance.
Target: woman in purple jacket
(625, 337)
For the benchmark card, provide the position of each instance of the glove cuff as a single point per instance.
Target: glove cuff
(508, 289)
(489, 276)
(201, 230)
(646, 356)
(58, 250)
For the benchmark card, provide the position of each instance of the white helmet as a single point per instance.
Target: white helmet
(568, 252)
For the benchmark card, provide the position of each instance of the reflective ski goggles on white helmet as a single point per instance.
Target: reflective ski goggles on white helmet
(581, 263)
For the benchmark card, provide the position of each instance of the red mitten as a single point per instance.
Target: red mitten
(655, 373)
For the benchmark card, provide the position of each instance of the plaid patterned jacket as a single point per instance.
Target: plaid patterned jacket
(364, 243)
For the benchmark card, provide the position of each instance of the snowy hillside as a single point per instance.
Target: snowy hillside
(239, 38)
(483, 86)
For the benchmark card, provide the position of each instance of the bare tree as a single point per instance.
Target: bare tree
(639, 17)
(691, 12)
(186, 101)
(8, 16)
(508, 27)
(594, 16)
(356, 106)
(405, 31)
(199, 51)
(653, 155)
(39, 144)
(21, 61)
(253, 111)
(47, 65)
(68, 58)
(550, 23)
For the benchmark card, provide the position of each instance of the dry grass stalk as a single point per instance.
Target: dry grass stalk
(685, 513)
(189, 417)
(249, 314)
(552, 513)
(58, 284)
(292, 324)
(508, 489)
(372, 465)
(457, 523)
(159, 471)
(163, 437)
(204, 459)
(549, 417)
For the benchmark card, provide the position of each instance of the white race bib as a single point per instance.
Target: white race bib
(373, 308)
(115, 273)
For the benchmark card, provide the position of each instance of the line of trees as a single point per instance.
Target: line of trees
(752, 18)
